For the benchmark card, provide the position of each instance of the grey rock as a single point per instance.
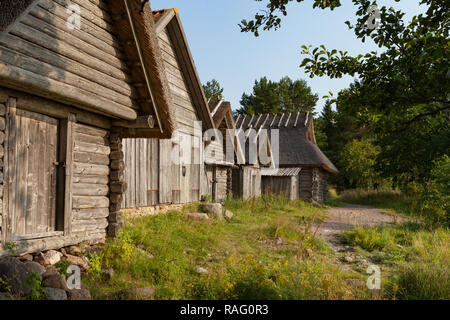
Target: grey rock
(80, 294)
(56, 294)
(33, 266)
(55, 281)
(214, 209)
(74, 250)
(197, 216)
(201, 270)
(279, 241)
(16, 274)
(140, 293)
(145, 254)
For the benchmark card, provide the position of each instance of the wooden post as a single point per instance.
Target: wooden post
(70, 145)
(116, 183)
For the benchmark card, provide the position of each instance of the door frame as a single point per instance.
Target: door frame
(64, 176)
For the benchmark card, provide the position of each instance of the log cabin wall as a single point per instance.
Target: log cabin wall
(84, 67)
(56, 186)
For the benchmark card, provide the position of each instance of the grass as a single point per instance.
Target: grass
(269, 250)
(416, 259)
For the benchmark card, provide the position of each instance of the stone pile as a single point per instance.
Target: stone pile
(16, 271)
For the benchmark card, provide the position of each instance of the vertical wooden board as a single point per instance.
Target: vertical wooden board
(42, 178)
(53, 152)
(32, 185)
(20, 182)
(133, 173)
(165, 171)
(125, 194)
(143, 160)
(153, 172)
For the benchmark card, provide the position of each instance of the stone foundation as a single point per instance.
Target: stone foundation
(151, 211)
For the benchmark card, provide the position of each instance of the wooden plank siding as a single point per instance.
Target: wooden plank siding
(153, 177)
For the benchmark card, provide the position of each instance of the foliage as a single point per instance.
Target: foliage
(213, 91)
(4, 285)
(11, 247)
(286, 95)
(62, 266)
(34, 281)
(95, 263)
(358, 163)
(436, 194)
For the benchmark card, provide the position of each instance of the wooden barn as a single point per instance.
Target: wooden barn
(171, 171)
(297, 149)
(75, 78)
(247, 178)
(218, 168)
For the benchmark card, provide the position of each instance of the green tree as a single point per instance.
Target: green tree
(213, 91)
(286, 95)
(406, 81)
(357, 163)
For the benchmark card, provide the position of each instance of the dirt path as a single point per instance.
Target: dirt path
(351, 216)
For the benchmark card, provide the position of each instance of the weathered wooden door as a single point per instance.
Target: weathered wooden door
(32, 164)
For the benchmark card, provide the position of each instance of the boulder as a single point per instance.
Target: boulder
(74, 250)
(80, 294)
(39, 258)
(228, 214)
(15, 273)
(33, 266)
(55, 294)
(51, 270)
(140, 293)
(348, 259)
(55, 281)
(78, 261)
(53, 256)
(197, 216)
(214, 209)
(25, 258)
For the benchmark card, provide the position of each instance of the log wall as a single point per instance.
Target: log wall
(82, 67)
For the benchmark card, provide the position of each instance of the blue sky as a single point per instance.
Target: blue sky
(236, 59)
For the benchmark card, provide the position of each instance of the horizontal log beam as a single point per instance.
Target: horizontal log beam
(141, 122)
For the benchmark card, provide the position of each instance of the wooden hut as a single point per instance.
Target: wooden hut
(218, 168)
(247, 178)
(281, 181)
(297, 149)
(171, 171)
(69, 93)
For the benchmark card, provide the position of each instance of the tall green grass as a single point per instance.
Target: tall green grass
(244, 257)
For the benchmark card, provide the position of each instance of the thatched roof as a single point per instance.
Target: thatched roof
(298, 146)
(135, 29)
